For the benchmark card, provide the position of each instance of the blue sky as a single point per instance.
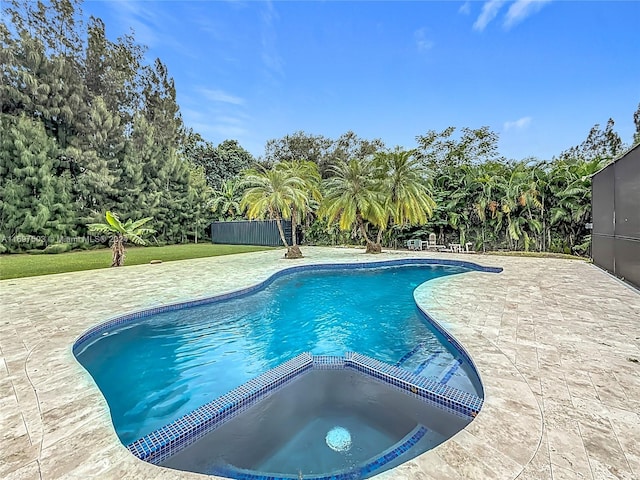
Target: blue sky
(539, 73)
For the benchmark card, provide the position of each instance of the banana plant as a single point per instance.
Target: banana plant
(121, 233)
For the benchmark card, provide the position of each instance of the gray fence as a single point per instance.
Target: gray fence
(616, 217)
(245, 232)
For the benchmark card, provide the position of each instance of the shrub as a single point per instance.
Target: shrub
(81, 246)
(25, 242)
(57, 248)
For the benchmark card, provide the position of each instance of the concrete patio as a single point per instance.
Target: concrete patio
(556, 342)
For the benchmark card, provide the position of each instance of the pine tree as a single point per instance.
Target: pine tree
(140, 150)
(160, 107)
(167, 190)
(34, 200)
(97, 151)
(45, 72)
(112, 71)
(196, 213)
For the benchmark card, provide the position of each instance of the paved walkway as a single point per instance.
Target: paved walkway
(556, 343)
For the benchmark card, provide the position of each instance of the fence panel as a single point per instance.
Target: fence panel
(261, 232)
(616, 217)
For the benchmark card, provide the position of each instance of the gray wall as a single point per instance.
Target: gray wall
(616, 217)
(245, 232)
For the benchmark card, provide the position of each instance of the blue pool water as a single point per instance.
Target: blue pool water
(166, 365)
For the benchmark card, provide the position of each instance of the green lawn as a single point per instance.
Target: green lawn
(25, 265)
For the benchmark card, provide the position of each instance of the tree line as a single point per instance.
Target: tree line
(452, 183)
(89, 127)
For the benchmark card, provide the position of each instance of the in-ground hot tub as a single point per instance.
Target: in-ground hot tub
(336, 423)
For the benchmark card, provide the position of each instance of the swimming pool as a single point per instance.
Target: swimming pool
(154, 369)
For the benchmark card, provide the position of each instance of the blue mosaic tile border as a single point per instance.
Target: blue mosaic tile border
(384, 458)
(443, 396)
(451, 371)
(170, 439)
(99, 329)
(451, 340)
(328, 362)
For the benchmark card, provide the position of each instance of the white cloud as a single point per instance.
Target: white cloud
(521, 9)
(422, 42)
(519, 124)
(489, 11)
(270, 56)
(216, 114)
(465, 8)
(221, 96)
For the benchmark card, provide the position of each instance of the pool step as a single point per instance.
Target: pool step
(426, 363)
(449, 371)
(437, 366)
(410, 354)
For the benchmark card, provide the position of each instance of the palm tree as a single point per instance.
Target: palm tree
(273, 193)
(403, 182)
(352, 196)
(308, 172)
(226, 200)
(485, 197)
(540, 178)
(452, 207)
(530, 200)
(130, 230)
(511, 190)
(572, 192)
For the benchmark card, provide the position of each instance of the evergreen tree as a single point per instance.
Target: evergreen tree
(232, 160)
(160, 107)
(33, 200)
(112, 126)
(197, 214)
(139, 150)
(166, 191)
(45, 65)
(112, 71)
(97, 152)
(220, 164)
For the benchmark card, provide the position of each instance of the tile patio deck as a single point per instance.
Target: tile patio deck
(554, 341)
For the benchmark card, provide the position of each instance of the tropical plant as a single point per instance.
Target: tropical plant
(225, 201)
(121, 233)
(571, 189)
(352, 197)
(306, 171)
(403, 182)
(273, 193)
